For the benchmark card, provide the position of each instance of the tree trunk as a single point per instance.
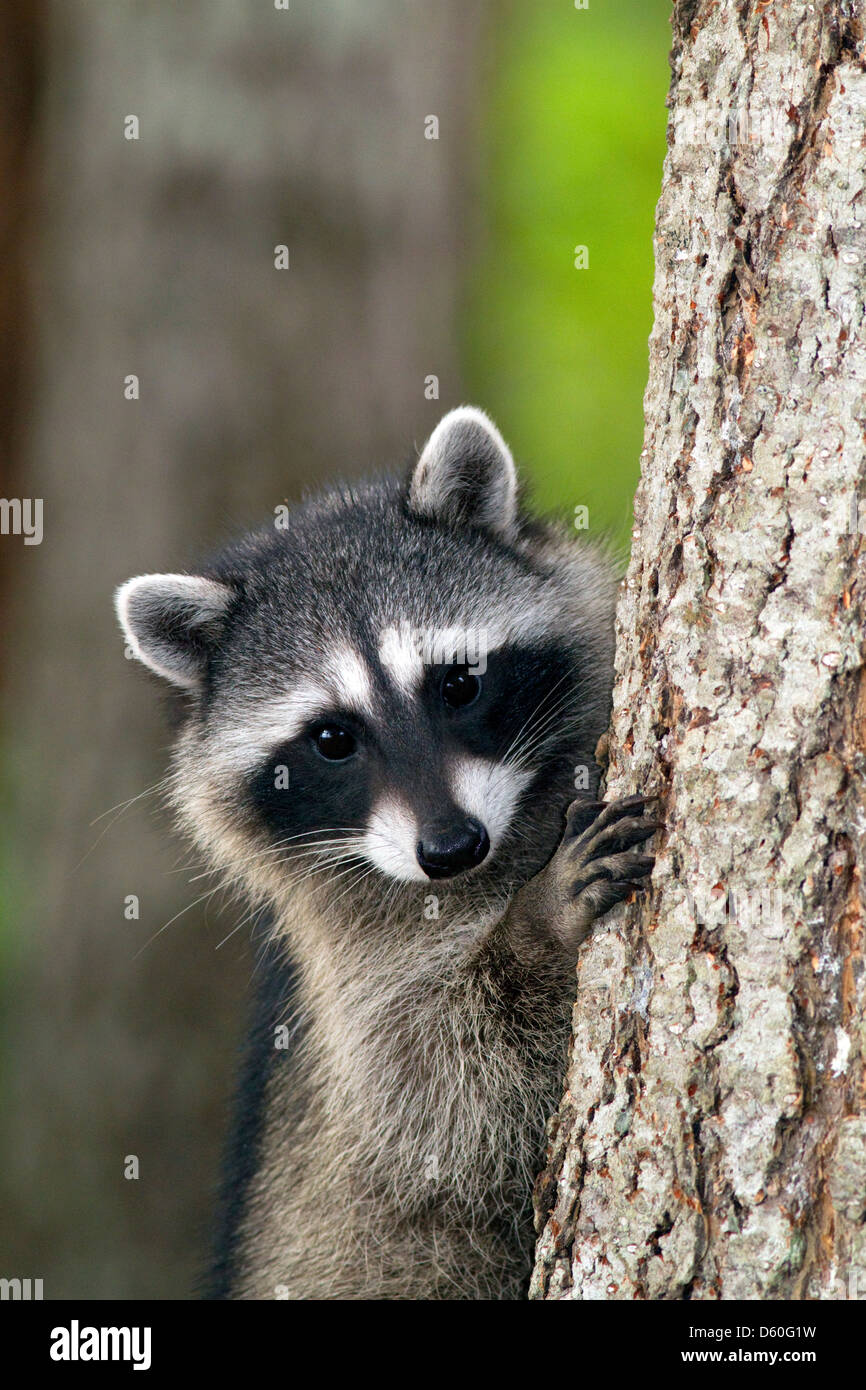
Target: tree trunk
(20, 31)
(712, 1138)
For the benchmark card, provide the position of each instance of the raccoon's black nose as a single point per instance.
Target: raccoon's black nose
(445, 851)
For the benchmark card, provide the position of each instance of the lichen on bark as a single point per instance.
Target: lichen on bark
(711, 1142)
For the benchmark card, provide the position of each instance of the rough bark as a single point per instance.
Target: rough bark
(712, 1138)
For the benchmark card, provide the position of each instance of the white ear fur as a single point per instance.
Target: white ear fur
(466, 475)
(166, 619)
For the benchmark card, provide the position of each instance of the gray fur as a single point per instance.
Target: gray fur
(401, 1133)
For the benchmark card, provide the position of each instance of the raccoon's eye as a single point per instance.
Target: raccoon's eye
(334, 743)
(460, 688)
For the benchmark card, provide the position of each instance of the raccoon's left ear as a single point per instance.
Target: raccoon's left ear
(466, 475)
(168, 621)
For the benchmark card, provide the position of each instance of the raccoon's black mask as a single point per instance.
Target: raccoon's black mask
(397, 682)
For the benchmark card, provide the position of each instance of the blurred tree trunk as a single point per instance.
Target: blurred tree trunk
(712, 1138)
(20, 48)
(258, 127)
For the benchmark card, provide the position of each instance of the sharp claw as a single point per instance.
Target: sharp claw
(643, 869)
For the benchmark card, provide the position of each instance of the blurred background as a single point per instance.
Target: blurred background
(422, 272)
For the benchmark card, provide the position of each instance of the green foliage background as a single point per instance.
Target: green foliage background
(574, 138)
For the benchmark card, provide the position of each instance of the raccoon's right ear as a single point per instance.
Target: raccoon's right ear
(169, 619)
(466, 475)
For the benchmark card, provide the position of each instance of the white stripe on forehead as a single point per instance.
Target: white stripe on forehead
(347, 674)
(404, 648)
(400, 657)
(250, 732)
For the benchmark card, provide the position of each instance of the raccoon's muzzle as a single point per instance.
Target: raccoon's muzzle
(444, 851)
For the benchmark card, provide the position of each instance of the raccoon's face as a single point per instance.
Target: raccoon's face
(404, 685)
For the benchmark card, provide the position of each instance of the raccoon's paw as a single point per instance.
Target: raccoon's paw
(599, 862)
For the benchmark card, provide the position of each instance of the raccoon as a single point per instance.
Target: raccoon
(386, 704)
